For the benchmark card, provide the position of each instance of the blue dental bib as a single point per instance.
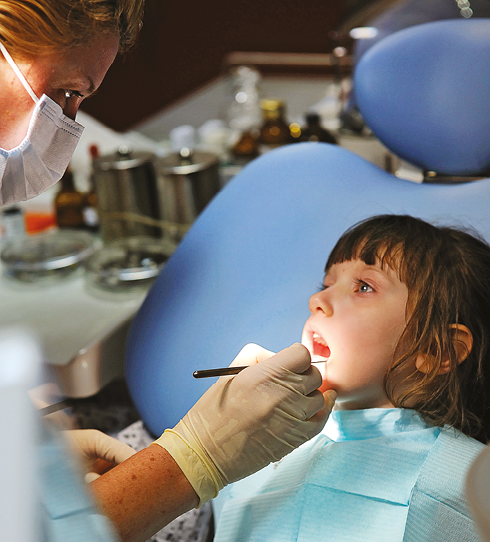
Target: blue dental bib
(369, 476)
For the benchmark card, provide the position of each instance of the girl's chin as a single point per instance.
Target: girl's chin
(325, 386)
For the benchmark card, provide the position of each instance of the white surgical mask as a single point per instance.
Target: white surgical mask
(44, 154)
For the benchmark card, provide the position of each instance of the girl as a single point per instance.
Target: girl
(401, 327)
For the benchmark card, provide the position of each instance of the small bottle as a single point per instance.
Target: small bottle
(90, 213)
(274, 130)
(247, 146)
(69, 204)
(314, 131)
(13, 222)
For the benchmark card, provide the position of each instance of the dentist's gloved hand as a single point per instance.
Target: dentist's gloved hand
(243, 423)
(98, 452)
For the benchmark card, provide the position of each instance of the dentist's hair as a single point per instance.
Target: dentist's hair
(29, 28)
(447, 273)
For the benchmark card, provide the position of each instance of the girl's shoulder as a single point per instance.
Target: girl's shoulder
(440, 489)
(448, 459)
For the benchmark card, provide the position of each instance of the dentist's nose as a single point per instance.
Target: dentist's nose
(71, 110)
(321, 302)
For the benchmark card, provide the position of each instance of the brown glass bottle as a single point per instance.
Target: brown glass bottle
(274, 130)
(314, 131)
(69, 203)
(247, 146)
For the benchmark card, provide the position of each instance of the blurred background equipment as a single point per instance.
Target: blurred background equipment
(125, 183)
(20, 371)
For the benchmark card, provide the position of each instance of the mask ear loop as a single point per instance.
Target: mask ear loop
(18, 73)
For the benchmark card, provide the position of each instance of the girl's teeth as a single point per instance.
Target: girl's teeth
(319, 339)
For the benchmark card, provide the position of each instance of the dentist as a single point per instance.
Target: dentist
(53, 55)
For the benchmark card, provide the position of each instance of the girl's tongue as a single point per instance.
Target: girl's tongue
(320, 347)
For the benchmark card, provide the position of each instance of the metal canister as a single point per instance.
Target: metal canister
(127, 196)
(187, 181)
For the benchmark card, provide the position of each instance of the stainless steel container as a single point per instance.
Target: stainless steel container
(127, 197)
(187, 182)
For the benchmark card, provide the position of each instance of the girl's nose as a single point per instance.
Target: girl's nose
(321, 302)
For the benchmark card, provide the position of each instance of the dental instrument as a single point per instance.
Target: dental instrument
(224, 371)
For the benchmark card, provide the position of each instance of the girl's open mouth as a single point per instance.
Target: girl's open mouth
(320, 347)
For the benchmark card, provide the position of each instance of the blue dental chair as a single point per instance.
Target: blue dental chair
(245, 270)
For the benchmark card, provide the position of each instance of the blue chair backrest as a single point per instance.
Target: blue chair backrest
(247, 267)
(424, 93)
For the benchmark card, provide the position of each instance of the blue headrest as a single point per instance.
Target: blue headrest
(246, 269)
(424, 91)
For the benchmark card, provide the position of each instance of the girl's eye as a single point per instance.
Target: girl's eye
(364, 287)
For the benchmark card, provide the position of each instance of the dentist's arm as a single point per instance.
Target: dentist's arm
(143, 494)
(239, 426)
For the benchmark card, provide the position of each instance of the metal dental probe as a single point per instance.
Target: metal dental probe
(224, 371)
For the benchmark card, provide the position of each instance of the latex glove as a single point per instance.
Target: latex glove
(98, 452)
(243, 423)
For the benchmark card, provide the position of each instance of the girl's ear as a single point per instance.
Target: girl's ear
(462, 340)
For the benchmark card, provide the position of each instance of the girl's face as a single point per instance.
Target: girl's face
(354, 327)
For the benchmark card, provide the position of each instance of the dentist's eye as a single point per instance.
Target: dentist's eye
(73, 94)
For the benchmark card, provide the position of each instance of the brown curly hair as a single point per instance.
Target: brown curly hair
(29, 28)
(447, 273)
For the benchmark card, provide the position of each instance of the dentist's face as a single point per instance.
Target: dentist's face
(355, 324)
(77, 73)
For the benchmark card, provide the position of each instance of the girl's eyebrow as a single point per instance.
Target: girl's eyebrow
(390, 276)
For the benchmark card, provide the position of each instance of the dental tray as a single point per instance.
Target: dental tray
(49, 255)
(128, 262)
